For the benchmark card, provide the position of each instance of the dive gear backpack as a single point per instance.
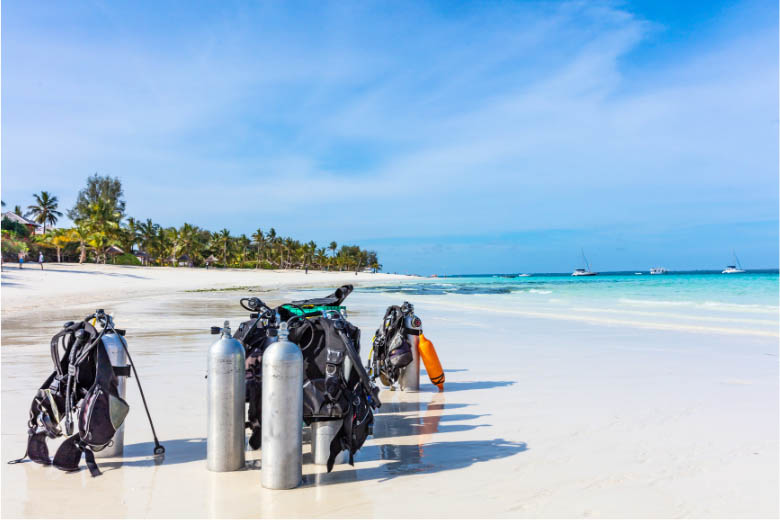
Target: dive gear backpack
(80, 398)
(390, 350)
(326, 340)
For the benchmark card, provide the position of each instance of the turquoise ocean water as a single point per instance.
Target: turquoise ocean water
(747, 301)
(751, 289)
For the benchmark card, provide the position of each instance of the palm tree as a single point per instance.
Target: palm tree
(259, 239)
(223, 240)
(288, 246)
(102, 222)
(243, 244)
(272, 240)
(130, 235)
(188, 235)
(147, 231)
(59, 238)
(308, 253)
(44, 210)
(160, 244)
(99, 242)
(80, 234)
(173, 243)
(332, 246)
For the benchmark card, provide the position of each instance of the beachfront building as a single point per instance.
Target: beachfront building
(113, 251)
(143, 257)
(33, 227)
(185, 261)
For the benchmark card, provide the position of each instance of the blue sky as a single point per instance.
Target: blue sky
(450, 137)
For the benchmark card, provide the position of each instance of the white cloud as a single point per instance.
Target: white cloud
(509, 118)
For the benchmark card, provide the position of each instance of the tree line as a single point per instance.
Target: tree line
(101, 232)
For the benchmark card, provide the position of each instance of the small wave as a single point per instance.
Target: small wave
(677, 303)
(439, 289)
(539, 291)
(711, 305)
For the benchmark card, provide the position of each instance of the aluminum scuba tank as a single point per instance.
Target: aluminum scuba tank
(115, 347)
(410, 374)
(322, 434)
(282, 416)
(226, 398)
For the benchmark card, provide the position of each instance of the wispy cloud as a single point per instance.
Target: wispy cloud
(489, 119)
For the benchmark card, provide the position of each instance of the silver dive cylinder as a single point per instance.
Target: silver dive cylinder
(322, 434)
(282, 415)
(115, 348)
(409, 379)
(226, 398)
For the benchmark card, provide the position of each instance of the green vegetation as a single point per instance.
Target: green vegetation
(126, 259)
(16, 228)
(103, 233)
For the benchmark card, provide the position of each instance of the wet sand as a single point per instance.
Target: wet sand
(541, 416)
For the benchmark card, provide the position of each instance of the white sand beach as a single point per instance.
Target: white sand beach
(544, 414)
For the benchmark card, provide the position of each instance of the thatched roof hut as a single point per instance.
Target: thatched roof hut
(143, 257)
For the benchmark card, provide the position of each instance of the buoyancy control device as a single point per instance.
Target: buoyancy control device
(326, 339)
(79, 400)
(390, 350)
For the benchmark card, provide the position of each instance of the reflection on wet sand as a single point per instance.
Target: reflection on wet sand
(402, 417)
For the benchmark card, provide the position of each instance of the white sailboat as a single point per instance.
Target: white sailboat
(586, 271)
(734, 269)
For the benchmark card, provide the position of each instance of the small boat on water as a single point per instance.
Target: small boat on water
(586, 271)
(658, 270)
(734, 269)
(524, 274)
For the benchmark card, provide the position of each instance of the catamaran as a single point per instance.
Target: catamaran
(586, 271)
(734, 269)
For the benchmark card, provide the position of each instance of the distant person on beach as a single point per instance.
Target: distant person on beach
(40, 259)
(21, 260)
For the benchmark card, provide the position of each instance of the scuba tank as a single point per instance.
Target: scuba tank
(226, 395)
(115, 346)
(410, 374)
(336, 387)
(282, 458)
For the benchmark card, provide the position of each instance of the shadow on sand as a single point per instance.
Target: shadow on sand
(177, 451)
(458, 386)
(415, 459)
(412, 421)
(418, 423)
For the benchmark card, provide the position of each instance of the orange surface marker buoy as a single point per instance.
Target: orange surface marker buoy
(432, 363)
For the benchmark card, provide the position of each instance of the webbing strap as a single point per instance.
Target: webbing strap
(22, 459)
(89, 457)
(122, 371)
